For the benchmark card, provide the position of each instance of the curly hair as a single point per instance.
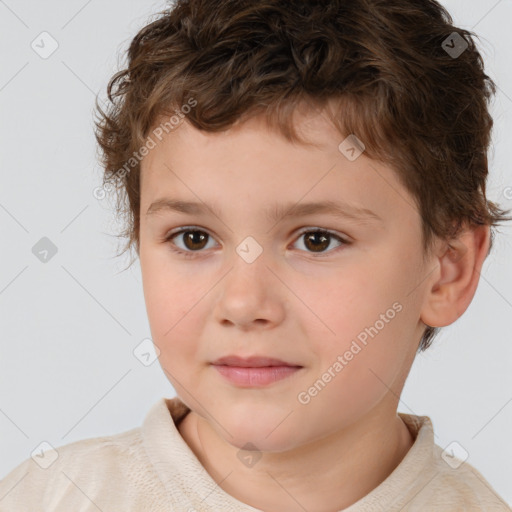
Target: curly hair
(386, 64)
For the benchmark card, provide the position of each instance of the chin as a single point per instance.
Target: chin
(260, 444)
(264, 433)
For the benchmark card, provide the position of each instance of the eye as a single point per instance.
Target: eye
(194, 240)
(319, 239)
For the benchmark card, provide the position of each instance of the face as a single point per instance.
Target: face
(335, 294)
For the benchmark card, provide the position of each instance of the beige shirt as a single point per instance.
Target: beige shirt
(151, 468)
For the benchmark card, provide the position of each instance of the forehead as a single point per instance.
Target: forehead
(311, 123)
(251, 164)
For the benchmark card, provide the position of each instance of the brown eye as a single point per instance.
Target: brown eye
(192, 240)
(317, 241)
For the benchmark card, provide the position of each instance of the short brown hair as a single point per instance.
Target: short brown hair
(415, 105)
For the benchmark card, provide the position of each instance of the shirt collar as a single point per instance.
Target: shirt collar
(190, 486)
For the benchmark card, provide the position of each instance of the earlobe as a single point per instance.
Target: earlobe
(453, 285)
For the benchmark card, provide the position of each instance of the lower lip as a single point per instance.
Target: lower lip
(256, 377)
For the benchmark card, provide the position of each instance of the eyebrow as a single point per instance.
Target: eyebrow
(274, 213)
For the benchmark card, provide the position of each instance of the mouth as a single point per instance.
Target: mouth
(255, 371)
(253, 362)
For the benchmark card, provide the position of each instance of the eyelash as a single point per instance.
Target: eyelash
(192, 254)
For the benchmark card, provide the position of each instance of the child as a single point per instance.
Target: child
(332, 158)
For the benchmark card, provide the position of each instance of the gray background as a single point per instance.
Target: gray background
(69, 326)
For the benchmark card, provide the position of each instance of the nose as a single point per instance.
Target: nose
(250, 294)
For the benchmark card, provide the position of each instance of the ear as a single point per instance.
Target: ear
(453, 284)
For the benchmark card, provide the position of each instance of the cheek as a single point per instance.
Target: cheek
(372, 322)
(340, 305)
(168, 294)
(174, 309)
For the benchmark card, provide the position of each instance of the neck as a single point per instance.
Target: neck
(326, 474)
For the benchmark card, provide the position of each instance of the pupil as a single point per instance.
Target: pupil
(322, 245)
(193, 238)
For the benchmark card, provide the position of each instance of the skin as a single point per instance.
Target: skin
(294, 304)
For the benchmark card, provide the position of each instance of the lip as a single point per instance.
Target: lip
(252, 362)
(248, 377)
(254, 371)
